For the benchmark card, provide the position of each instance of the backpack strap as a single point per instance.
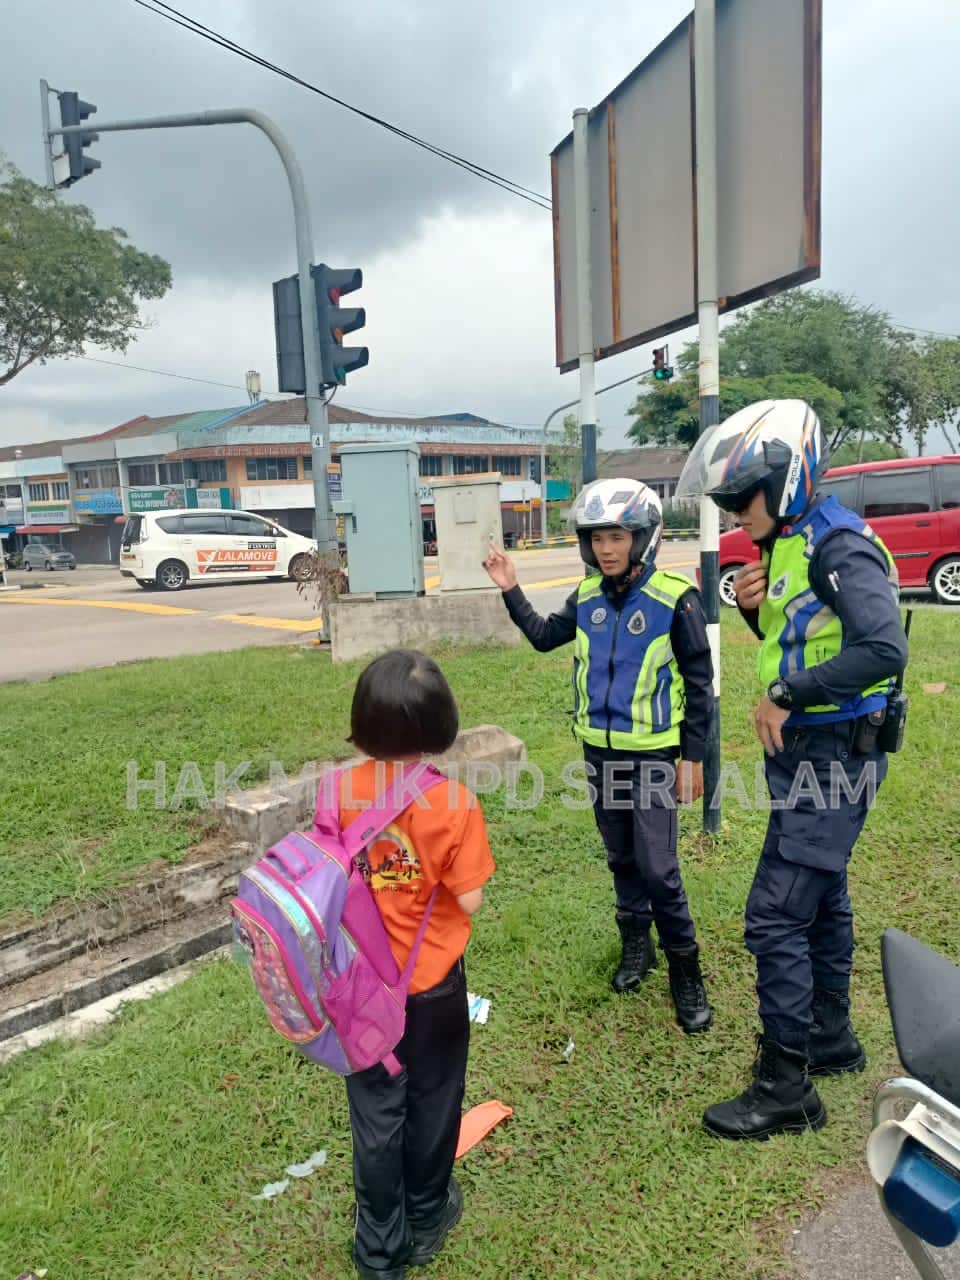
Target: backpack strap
(406, 977)
(402, 791)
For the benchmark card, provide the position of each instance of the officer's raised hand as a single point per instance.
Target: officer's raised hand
(750, 585)
(500, 568)
(768, 721)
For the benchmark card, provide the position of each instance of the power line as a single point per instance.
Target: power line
(933, 333)
(277, 397)
(162, 373)
(168, 12)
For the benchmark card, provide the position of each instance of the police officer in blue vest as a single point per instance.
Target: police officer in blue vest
(823, 601)
(643, 692)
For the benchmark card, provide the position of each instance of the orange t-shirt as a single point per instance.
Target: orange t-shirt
(442, 843)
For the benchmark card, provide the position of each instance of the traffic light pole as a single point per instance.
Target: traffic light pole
(316, 406)
(708, 314)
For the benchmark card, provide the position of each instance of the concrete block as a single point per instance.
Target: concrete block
(361, 629)
(486, 744)
(263, 815)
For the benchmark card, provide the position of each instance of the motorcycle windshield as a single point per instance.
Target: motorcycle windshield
(923, 995)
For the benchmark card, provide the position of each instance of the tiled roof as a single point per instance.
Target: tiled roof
(42, 449)
(284, 413)
(642, 464)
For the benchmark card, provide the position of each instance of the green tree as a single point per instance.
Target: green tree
(864, 450)
(65, 282)
(841, 356)
(670, 415)
(923, 391)
(565, 454)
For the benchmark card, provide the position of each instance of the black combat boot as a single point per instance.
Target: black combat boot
(781, 1098)
(638, 955)
(686, 986)
(834, 1047)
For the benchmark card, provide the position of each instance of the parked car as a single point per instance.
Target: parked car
(912, 504)
(168, 549)
(47, 555)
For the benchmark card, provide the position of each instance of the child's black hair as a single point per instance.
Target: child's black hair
(403, 706)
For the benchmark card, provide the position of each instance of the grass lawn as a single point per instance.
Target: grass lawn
(135, 1154)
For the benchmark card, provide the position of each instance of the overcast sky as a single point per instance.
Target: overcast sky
(458, 274)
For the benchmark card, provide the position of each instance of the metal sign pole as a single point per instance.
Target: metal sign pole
(705, 49)
(588, 402)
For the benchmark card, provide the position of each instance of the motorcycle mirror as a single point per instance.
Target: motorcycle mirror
(923, 995)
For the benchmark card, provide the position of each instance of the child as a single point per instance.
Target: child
(643, 691)
(405, 1129)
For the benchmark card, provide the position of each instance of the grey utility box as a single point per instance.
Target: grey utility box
(468, 520)
(382, 523)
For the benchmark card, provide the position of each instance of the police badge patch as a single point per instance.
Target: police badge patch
(637, 624)
(779, 587)
(594, 509)
(598, 616)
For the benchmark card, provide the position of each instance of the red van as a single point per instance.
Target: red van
(913, 504)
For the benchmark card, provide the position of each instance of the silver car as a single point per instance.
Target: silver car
(44, 555)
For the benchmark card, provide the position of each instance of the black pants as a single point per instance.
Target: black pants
(636, 812)
(405, 1128)
(799, 921)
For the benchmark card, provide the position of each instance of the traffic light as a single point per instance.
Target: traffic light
(291, 375)
(333, 321)
(73, 111)
(662, 371)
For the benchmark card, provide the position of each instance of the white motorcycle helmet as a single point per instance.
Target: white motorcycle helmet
(618, 504)
(773, 445)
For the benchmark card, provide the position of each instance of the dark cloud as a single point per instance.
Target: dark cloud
(459, 280)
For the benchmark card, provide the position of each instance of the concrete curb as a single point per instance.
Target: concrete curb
(167, 896)
(78, 996)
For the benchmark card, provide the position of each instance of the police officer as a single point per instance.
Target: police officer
(643, 691)
(823, 601)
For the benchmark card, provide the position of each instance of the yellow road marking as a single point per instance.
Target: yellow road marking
(168, 610)
(569, 582)
(277, 624)
(552, 582)
(163, 610)
(429, 583)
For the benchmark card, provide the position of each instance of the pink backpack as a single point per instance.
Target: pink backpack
(308, 923)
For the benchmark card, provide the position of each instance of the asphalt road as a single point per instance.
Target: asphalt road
(69, 621)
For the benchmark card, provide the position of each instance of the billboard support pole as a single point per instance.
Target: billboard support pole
(705, 87)
(588, 400)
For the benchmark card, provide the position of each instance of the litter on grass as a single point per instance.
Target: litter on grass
(478, 1122)
(479, 1008)
(316, 1161)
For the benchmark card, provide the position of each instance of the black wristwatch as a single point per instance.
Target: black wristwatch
(779, 694)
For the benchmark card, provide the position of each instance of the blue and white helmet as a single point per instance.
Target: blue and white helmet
(773, 445)
(618, 504)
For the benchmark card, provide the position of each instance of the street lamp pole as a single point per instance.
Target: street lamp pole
(543, 441)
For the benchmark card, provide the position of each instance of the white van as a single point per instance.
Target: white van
(168, 549)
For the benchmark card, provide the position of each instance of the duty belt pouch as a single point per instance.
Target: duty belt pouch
(866, 732)
(890, 738)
